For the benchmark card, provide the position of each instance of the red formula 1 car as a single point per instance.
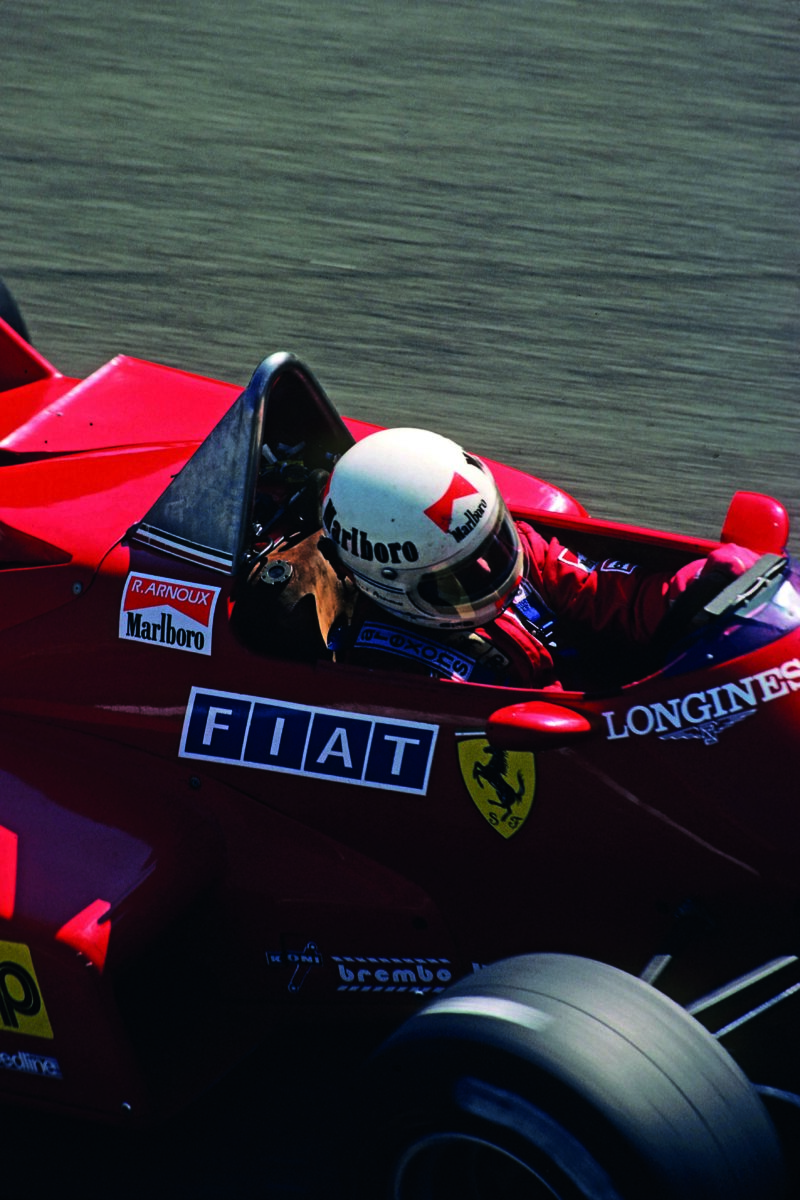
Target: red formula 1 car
(580, 909)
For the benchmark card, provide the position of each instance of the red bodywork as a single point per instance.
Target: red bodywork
(195, 836)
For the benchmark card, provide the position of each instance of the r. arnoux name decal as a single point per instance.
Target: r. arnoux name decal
(325, 743)
(704, 715)
(167, 612)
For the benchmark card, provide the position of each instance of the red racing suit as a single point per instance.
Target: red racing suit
(519, 648)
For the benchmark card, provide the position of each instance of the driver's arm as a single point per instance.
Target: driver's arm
(615, 595)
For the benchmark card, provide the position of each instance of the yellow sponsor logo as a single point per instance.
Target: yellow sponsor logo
(22, 1008)
(500, 782)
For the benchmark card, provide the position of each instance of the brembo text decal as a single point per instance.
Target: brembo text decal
(253, 731)
(418, 975)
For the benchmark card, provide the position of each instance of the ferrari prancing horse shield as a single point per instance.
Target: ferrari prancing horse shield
(500, 782)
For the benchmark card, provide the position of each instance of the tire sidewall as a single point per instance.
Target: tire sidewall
(481, 1092)
(651, 1097)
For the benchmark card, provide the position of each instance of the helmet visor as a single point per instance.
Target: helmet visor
(480, 587)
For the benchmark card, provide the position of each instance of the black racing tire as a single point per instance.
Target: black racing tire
(10, 313)
(548, 1077)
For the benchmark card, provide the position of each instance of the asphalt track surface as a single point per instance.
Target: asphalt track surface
(563, 233)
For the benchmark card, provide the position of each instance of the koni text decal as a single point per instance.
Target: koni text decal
(168, 612)
(325, 743)
(704, 715)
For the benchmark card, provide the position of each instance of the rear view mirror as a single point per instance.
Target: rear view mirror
(536, 725)
(758, 522)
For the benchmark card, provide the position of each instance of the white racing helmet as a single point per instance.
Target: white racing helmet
(423, 530)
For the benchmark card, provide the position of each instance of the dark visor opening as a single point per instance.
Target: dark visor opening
(484, 573)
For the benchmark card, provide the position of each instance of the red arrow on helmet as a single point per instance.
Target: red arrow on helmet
(441, 512)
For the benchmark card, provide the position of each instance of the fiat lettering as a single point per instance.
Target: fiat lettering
(271, 735)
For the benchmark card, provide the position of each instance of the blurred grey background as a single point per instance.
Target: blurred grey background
(563, 232)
